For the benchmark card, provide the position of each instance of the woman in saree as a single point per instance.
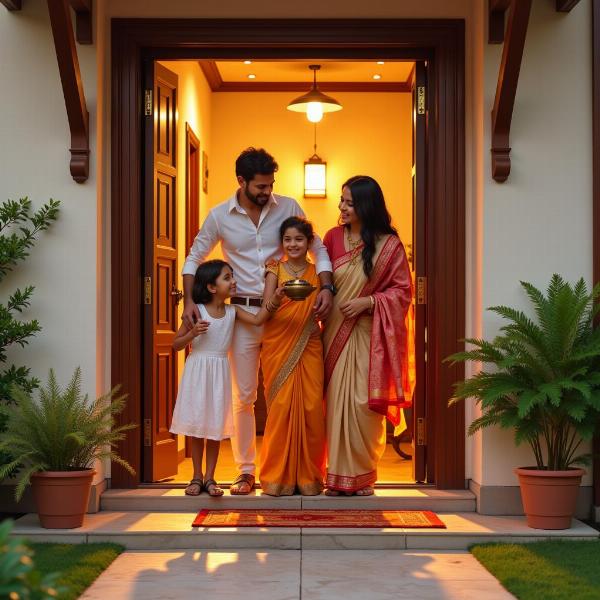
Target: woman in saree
(365, 338)
(293, 449)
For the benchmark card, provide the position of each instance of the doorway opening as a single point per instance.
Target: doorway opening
(218, 108)
(137, 43)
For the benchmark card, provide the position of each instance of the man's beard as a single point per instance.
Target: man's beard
(259, 199)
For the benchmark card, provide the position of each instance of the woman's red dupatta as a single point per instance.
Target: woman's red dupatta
(390, 385)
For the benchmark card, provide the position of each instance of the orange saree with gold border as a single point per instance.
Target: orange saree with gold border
(367, 360)
(293, 449)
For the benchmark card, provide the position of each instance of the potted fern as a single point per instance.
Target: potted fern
(545, 384)
(56, 441)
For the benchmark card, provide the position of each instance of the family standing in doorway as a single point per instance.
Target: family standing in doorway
(334, 365)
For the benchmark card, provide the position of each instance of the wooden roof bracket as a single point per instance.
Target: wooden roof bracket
(508, 78)
(70, 77)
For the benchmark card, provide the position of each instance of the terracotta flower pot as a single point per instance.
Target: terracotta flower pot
(62, 497)
(549, 497)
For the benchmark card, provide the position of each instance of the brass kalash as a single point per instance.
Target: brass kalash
(298, 289)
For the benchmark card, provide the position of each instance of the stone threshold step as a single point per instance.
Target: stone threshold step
(161, 531)
(173, 500)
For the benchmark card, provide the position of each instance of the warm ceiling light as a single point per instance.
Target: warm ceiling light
(376, 76)
(314, 103)
(380, 62)
(251, 76)
(247, 62)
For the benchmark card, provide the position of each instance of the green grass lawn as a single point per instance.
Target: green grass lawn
(550, 570)
(78, 564)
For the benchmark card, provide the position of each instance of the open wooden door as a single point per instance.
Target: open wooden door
(419, 95)
(160, 271)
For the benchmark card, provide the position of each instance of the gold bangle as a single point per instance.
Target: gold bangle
(372, 300)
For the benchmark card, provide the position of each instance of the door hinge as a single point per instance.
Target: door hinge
(420, 99)
(147, 290)
(147, 102)
(421, 431)
(147, 432)
(421, 290)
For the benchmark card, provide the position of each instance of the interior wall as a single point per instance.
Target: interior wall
(371, 135)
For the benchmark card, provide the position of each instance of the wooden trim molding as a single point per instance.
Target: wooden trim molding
(441, 44)
(212, 74)
(596, 197)
(506, 90)
(293, 86)
(70, 77)
(216, 84)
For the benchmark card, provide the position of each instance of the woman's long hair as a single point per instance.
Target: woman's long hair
(369, 206)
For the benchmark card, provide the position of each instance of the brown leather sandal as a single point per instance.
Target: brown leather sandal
(211, 487)
(194, 482)
(242, 478)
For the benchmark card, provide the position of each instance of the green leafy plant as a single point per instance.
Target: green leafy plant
(19, 228)
(545, 380)
(18, 577)
(63, 431)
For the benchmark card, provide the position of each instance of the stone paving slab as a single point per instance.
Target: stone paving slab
(295, 575)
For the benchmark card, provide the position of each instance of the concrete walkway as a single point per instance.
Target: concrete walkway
(295, 575)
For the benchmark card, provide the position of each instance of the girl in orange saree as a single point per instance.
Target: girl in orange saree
(293, 449)
(366, 343)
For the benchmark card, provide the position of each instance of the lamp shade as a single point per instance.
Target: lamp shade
(315, 178)
(314, 103)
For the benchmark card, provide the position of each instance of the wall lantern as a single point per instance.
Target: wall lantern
(314, 103)
(315, 175)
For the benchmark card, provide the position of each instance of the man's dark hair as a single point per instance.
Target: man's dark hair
(254, 161)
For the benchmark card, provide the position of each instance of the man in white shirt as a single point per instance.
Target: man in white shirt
(247, 225)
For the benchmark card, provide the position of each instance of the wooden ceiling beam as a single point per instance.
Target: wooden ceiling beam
(566, 5)
(70, 77)
(508, 78)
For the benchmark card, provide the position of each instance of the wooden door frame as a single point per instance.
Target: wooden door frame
(441, 44)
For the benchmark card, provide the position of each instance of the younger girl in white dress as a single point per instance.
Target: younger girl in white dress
(203, 410)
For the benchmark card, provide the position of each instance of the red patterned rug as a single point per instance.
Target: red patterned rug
(412, 519)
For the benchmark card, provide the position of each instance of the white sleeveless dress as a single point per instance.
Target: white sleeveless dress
(203, 408)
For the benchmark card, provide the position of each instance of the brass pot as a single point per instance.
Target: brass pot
(298, 289)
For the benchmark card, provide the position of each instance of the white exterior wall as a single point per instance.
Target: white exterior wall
(536, 223)
(539, 221)
(34, 162)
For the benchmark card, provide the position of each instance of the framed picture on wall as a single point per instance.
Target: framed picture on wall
(204, 172)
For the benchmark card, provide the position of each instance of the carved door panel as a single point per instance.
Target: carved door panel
(419, 412)
(160, 272)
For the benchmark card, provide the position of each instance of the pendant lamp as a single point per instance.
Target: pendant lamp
(314, 103)
(315, 175)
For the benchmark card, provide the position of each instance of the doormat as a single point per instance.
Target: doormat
(410, 519)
